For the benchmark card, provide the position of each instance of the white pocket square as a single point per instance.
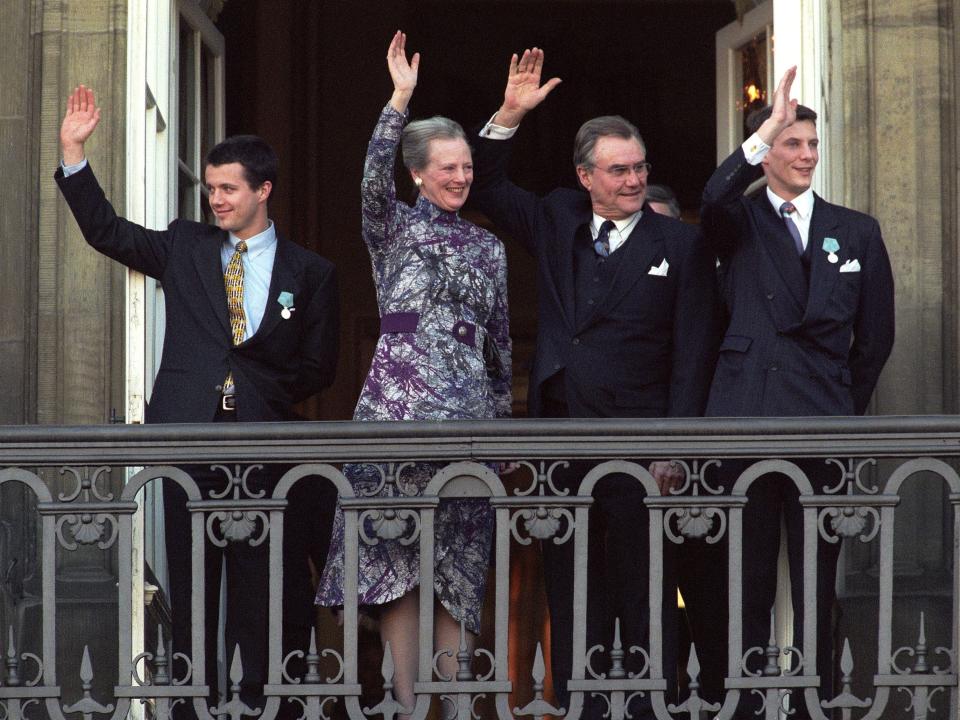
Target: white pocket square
(661, 270)
(850, 266)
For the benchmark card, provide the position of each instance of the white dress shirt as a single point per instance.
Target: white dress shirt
(754, 150)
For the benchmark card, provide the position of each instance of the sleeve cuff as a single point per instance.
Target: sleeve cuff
(69, 170)
(491, 131)
(755, 149)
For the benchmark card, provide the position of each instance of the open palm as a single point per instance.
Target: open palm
(403, 73)
(523, 91)
(81, 118)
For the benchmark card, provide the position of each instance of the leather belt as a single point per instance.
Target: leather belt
(228, 403)
(401, 322)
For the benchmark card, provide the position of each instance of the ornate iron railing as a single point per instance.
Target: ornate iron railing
(874, 460)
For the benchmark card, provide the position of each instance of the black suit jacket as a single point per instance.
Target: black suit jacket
(793, 349)
(284, 362)
(647, 348)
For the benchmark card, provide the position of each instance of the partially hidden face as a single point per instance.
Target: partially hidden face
(616, 189)
(239, 208)
(790, 163)
(448, 174)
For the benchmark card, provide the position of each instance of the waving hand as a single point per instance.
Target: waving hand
(402, 72)
(784, 112)
(78, 124)
(524, 91)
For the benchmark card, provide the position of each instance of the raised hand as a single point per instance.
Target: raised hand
(403, 73)
(78, 124)
(524, 92)
(784, 112)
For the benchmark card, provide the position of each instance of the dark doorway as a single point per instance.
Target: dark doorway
(311, 78)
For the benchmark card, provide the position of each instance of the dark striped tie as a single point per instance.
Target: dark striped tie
(786, 210)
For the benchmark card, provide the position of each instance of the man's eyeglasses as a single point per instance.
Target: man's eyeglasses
(621, 172)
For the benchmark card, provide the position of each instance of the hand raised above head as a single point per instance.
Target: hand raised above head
(78, 124)
(784, 109)
(402, 72)
(524, 92)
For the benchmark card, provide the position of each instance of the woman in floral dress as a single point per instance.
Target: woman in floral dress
(443, 353)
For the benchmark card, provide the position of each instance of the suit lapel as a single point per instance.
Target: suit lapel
(285, 277)
(206, 257)
(823, 273)
(641, 250)
(779, 247)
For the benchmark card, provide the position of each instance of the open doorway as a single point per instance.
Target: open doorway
(311, 78)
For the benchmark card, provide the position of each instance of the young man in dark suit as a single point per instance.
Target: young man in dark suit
(625, 329)
(808, 291)
(251, 328)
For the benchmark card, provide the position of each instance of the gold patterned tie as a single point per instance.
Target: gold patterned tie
(233, 282)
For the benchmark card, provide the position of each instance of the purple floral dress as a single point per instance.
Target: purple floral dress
(444, 353)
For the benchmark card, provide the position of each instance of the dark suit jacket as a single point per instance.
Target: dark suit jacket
(284, 362)
(647, 348)
(791, 349)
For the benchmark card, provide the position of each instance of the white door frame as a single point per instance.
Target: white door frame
(152, 194)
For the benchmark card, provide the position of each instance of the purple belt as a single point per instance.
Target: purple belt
(401, 322)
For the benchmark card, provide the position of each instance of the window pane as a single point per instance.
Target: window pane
(753, 75)
(188, 149)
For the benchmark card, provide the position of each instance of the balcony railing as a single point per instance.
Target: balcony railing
(70, 505)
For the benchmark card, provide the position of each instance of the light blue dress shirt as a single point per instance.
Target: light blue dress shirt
(257, 271)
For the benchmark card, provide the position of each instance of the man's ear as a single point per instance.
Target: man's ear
(265, 189)
(583, 175)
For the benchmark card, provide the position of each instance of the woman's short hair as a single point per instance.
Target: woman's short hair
(598, 127)
(417, 135)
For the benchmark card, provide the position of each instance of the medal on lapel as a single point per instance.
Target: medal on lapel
(830, 246)
(286, 300)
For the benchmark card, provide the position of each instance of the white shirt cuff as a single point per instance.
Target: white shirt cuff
(69, 170)
(755, 149)
(491, 131)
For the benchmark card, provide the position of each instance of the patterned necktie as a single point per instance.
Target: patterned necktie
(233, 282)
(786, 210)
(602, 243)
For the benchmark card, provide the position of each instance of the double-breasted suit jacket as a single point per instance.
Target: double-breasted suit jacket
(645, 348)
(793, 346)
(285, 361)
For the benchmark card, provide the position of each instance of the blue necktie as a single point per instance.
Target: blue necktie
(602, 243)
(786, 210)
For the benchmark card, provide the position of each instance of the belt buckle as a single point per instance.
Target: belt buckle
(228, 402)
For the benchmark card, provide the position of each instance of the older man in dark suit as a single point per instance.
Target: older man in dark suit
(625, 329)
(809, 294)
(251, 328)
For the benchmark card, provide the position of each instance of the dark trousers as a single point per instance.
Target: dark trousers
(768, 498)
(307, 527)
(617, 586)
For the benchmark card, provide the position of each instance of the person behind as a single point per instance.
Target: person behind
(809, 294)
(443, 353)
(661, 199)
(626, 328)
(251, 328)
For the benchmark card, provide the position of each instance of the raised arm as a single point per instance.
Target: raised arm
(377, 192)
(721, 213)
(126, 242)
(523, 92)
